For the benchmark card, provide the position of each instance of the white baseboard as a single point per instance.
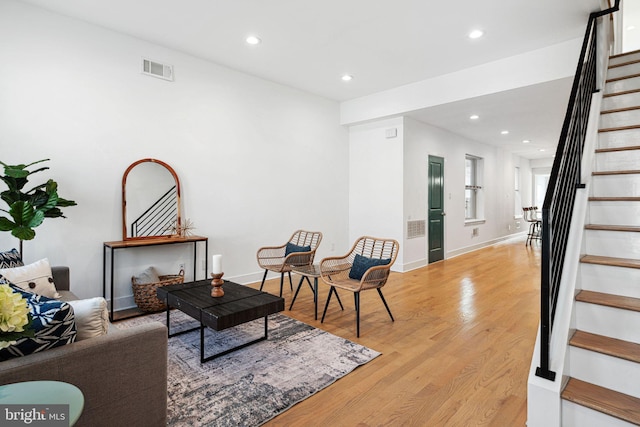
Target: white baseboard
(485, 244)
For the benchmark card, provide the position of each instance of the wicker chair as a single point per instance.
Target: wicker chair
(366, 266)
(299, 250)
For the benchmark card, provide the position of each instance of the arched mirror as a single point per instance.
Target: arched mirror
(150, 200)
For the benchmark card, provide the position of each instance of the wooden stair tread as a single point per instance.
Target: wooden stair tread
(620, 55)
(609, 300)
(614, 199)
(601, 399)
(620, 110)
(624, 172)
(622, 92)
(606, 345)
(612, 149)
(615, 262)
(622, 64)
(607, 227)
(619, 127)
(629, 76)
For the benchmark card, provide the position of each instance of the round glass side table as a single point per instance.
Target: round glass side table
(44, 393)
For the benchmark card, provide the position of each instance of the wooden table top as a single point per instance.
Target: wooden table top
(238, 305)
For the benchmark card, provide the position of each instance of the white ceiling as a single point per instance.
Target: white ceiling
(382, 43)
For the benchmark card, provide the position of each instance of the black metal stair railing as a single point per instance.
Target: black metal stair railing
(565, 179)
(158, 218)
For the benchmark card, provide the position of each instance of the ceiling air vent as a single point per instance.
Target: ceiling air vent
(156, 69)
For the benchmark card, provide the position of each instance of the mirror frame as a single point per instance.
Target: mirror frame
(124, 198)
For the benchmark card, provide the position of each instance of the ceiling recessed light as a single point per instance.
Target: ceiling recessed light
(474, 117)
(347, 77)
(476, 34)
(253, 40)
(504, 132)
(525, 141)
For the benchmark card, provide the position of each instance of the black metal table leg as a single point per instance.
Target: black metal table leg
(222, 353)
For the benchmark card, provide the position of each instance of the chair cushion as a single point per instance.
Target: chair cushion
(35, 278)
(295, 248)
(361, 264)
(10, 259)
(53, 324)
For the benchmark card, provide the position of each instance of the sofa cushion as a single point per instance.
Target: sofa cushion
(361, 264)
(53, 324)
(10, 259)
(35, 278)
(92, 317)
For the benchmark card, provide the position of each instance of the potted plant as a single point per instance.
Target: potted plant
(28, 208)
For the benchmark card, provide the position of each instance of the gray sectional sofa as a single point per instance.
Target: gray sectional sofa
(122, 375)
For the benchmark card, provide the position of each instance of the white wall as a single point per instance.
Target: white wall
(376, 183)
(422, 140)
(256, 160)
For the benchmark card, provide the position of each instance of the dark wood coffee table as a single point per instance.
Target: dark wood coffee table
(240, 304)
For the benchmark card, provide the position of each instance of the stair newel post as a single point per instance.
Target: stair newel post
(545, 309)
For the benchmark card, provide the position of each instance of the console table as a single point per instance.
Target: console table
(140, 243)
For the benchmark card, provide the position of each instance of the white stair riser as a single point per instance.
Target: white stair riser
(608, 321)
(635, 56)
(622, 118)
(610, 280)
(623, 70)
(614, 213)
(574, 415)
(625, 185)
(619, 244)
(620, 138)
(621, 101)
(623, 85)
(606, 371)
(618, 160)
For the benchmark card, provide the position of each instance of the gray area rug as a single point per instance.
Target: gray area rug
(250, 386)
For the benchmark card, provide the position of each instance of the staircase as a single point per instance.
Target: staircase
(603, 388)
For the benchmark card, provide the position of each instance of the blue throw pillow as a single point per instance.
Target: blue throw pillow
(10, 259)
(361, 264)
(53, 323)
(295, 248)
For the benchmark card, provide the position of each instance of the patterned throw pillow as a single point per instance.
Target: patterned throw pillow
(10, 259)
(53, 323)
(35, 278)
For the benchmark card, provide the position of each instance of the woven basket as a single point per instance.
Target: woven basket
(145, 296)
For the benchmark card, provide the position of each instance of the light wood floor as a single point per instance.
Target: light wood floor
(458, 353)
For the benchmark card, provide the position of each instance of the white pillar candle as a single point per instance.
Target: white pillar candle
(216, 264)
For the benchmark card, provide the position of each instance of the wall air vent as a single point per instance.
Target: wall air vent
(156, 69)
(416, 228)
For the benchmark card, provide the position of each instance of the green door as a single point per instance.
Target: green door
(436, 208)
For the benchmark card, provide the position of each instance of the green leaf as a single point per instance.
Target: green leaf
(6, 224)
(36, 220)
(23, 233)
(54, 213)
(22, 212)
(39, 199)
(64, 202)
